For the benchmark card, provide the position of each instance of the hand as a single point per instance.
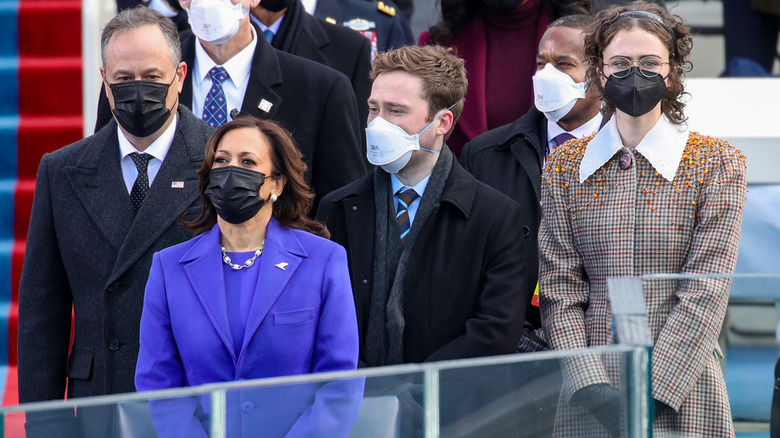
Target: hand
(603, 402)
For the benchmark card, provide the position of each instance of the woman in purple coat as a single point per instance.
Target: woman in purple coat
(260, 292)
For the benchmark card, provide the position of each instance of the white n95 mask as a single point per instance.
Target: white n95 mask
(215, 21)
(390, 147)
(555, 92)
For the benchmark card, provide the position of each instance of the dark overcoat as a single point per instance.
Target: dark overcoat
(467, 276)
(315, 103)
(509, 159)
(88, 249)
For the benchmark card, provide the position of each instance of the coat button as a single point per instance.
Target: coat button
(625, 161)
(354, 208)
(247, 406)
(113, 344)
(365, 281)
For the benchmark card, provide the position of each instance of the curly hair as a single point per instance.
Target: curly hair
(296, 199)
(443, 75)
(609, 22)
(456, 14)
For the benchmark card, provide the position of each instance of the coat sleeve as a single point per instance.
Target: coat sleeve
(337, 157)
(336, 404)
(690, 333)
(564, 292)
(159, 364)
(45, 302)
(497, 324)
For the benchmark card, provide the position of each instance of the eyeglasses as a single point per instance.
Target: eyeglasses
(649, 66)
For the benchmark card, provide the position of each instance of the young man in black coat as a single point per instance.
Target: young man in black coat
(510, 158)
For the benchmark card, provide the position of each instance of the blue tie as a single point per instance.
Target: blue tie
(558, 140)
(269, 35)
(406, 195)
(215, 105)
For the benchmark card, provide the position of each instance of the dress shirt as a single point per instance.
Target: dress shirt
(158, 150)
(238, 68)
(419, 188)
(310, 6)
(663, 146)
(273, 27)
(584, 130)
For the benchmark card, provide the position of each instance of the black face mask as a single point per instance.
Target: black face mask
(235, 193)
(635, 94)
(275, 5)
(139, 106)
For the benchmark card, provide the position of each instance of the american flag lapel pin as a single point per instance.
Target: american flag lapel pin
(177, 184)
(265, 105)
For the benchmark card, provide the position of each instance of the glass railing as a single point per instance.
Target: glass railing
(513, 395)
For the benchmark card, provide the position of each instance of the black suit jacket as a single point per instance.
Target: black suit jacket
(87, 248)
(334, 46)
(467, 279)
(315, 103)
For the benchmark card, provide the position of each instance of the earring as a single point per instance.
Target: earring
(274, 197)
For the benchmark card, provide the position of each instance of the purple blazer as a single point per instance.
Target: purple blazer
(302, 320)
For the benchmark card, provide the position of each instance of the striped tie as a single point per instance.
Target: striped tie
(406, 195)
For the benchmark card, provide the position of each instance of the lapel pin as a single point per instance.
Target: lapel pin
(282, 265)
(265, 105)
(177, 184)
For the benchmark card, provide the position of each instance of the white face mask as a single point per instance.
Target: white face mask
(555, 92)
(215, 21)
(390, 147)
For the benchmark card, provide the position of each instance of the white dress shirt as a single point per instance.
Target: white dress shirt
(238, 68)
(663, 146)
(158, 150)
(310, 6)
(588, 128)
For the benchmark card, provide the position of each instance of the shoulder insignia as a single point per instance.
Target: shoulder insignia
(330, 20)
(359, 24)
(389, 10)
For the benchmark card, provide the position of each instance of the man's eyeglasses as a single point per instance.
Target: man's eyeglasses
(649, 66)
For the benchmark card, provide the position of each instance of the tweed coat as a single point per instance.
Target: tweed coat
(619, 223)
(88, 249)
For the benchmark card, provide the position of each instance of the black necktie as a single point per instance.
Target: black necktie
(141, 185)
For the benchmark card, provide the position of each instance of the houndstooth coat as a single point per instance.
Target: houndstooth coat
(676, 209)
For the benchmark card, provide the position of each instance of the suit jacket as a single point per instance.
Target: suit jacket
(328, 44)
(455, 307)
(626, 223)
(313, 102)
(509, 159)
(87, 248)
(302, 320)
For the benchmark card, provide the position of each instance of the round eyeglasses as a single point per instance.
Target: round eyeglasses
(649, 66)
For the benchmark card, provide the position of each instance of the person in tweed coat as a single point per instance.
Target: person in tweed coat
(642, 196)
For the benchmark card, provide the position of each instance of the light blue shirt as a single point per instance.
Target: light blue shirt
(419, 188)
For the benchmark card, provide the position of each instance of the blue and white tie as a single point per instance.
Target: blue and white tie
(406, 195)
(215, 105)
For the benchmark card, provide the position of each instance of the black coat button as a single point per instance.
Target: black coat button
(354, 208)
(113, 344)
(625, 161)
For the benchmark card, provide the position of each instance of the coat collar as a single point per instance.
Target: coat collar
(663, 146)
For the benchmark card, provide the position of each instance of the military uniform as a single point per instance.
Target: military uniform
(379, 21)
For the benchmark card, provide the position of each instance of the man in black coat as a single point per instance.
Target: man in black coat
(312, 38)
(315, 103)
(509, 158)
(102, 207)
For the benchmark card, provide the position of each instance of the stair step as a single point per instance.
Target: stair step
(9, 42)
(23, 196)
(50, 86)
(42, 134)
(8, 138)
(9, 92)
(50, 28)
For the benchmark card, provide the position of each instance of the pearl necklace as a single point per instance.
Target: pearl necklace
(247, 264)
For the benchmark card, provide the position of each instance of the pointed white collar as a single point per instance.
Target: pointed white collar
(663, 146)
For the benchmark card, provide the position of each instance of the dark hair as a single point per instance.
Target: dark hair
(442, 73)
(140, 16)
(577, 21)
(296, 198)
(456, 14)
(609, 22)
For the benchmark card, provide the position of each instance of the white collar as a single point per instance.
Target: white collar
(663, 146)
(158, 149)
(238, 67)
(586, 129)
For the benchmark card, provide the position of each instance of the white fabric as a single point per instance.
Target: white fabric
(588, 128)
(158, 150)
